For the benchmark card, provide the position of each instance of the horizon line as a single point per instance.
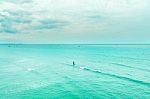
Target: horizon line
(73, 44)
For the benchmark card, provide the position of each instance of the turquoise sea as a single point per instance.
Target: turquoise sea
(100, 71)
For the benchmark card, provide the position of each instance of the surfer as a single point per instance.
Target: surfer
(73, 63)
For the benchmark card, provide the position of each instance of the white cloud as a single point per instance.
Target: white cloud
(75, 18)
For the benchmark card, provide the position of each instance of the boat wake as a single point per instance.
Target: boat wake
(118, 64)
(116, 76)
(112, 75)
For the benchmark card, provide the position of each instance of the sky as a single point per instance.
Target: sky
(75, 21)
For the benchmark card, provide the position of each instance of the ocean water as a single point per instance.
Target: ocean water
(100, 72)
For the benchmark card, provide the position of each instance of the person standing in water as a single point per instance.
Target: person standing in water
(73, 63)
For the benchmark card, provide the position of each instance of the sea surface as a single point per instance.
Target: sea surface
(100, 71)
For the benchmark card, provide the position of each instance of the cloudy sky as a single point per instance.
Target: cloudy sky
(74, 21)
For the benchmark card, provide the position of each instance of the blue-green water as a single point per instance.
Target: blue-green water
(100, 72)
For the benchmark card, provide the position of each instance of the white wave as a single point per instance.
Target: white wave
(82, 67)
(30, 69)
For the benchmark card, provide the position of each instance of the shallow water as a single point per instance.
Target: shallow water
(100, 71)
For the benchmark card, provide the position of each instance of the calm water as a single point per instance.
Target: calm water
(100, 71)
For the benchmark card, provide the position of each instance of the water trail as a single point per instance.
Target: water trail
(118, 64)
(116, 76)
(111, 75)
